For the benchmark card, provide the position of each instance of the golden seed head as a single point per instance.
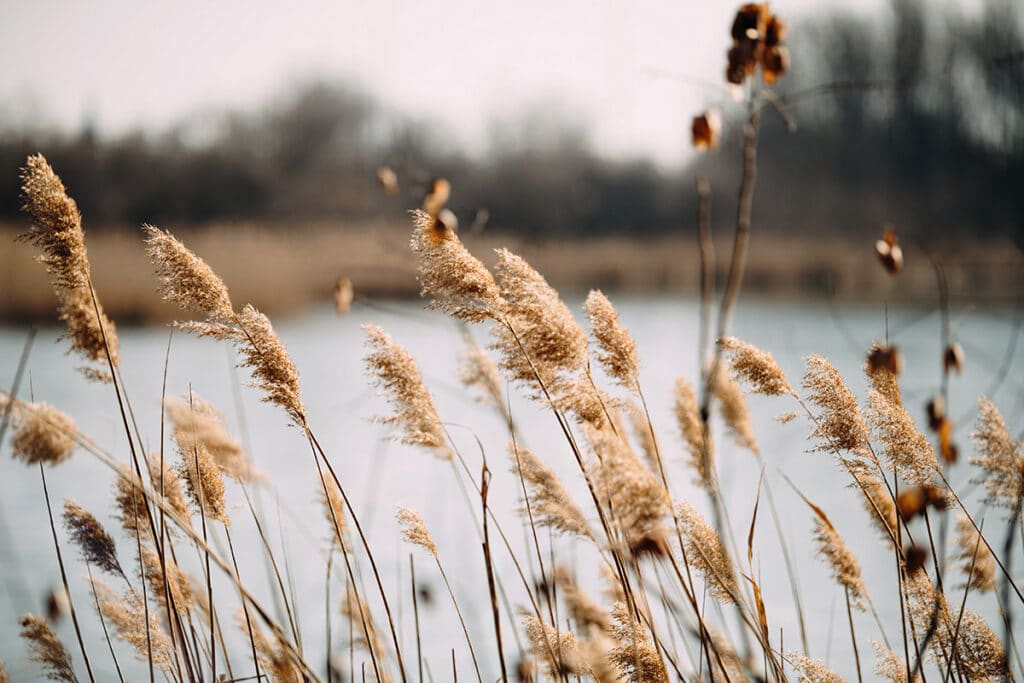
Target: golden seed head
(692, 428)
(203, 482)
(756, 367)
(44, 435)
(634, 653)
(616, 348)
(550, 502)
(732, 405)
(479, 372)
(637, 499)
(46, 649)
(127, 614)
(394, 370)
(889, 665)
(94, 543)
(812, 670)
(976, 560)
(842, 561)
(186, 279)
(334, 512)
(707, 553)
(1001, 459)
(558, 650)
(840, 425)
(414, 529)
(198, 423)
(907, 450)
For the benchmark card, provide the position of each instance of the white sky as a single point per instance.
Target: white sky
(461, 63)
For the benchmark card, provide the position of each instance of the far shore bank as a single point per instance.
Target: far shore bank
(283, 270)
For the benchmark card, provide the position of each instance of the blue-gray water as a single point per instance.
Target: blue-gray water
(380, 474)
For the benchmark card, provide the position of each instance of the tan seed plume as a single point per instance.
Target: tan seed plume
(394, 370)
(197, 422)
(127, 614)
(334, 512)
(43, 435)
(479, 372)
(840, 424)
(203, 482)
(173, 492)
(756, 367)
(634, 654)
(274, 658)
(706, 553)
(551, 504)
(812, 670)
(889, 665)
(881, 376)
(843, 563)
(57, 232)
(688, 418)
(616, 348)
(586, 612)
(976, 560)
(732, 405)
(186, 279)
(130, 505)
(557, 650)
(452, 279)
(1001, 460)
(906, 449)
(177, 580)
(46, 649)
(414, 529)
(94, 543)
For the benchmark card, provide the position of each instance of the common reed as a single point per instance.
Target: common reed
(618, 509)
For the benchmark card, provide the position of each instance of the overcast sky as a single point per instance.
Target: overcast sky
(462, 63)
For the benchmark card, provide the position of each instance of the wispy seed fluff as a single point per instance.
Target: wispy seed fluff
(197, 422)
(479, 372)
(558, 650)
(128, 616)
(812, 670)
(46, 649)
(185, 279)
(840, 424)
(889, 665)
(454, 280)
(756, 367)
(274, 657)
(203, 481)
(635, 655)
(550, 503)
(976, 560)
(414, 529)
(57, 232)
(688, 418)
(43, 435)
(130, 504)
(706, 552)
(95, 544)
(878, 503)
(394, 370)
(552, 341)
(168, 481)
(616, 348)
(732, 405)
(334, 512)
(1001, 459)
(167, 575)
(586, 612)
(638, 502)
(842, 561)
(907, 449)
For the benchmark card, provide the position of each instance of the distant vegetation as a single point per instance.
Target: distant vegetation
(928, 134)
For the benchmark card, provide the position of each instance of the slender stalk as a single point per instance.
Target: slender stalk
(485, 477)
(853, 633)
(416, 616)
(103, 625)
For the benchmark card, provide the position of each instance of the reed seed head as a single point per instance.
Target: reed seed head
(479, 372)
(616, 348)
(906, 449)
(706, 553)
(43, 435)
(414, 529)
(186, 279)
(454, 280)
(842, 561)
(999, 457)
(394, 370)
(203, 482)
(840, 424)
(550, 503)
(976, 560)
(812, 670)
(732, 405)
(334, 512)
(167, 480)
(889, 665)
(198, 423)
(94, 543)
(634, 654)
(557, 650)
(692, 429)
(127, 614)
(756, 367)
(46, 649)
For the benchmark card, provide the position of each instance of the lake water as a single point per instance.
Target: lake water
(328, 351)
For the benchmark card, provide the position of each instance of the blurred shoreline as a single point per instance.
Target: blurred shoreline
(285, 269)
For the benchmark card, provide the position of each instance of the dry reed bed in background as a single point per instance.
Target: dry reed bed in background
(681, 594)
(309, 259)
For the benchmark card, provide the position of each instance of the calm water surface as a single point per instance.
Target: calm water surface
(380, 474)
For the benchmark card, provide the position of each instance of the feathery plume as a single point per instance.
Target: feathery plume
(197, 422)
(616, 348)
(842, 561)
(550, 502)
(1001, 459)
(203, 482)
(635, 654)
(730, 659)
(977, 562)
(334, 512)
(414, 529)
(881, 376)
(130, 504)
(812, 670)
(478, 371)
(94, 543)
(588, 614)
(637, 500)
(733, 407)
(128, 616)
(57, 232)
(889, 665)
(641, 429)
(454, 280)
(756, 367)
(878, 503)
(840, 424)
(396, 372)
(355, 609)
(46, 649)
(706, 552)
(906, 449)
(980, 652)
(558, 650)
(688, 418)
(552, 341)
(173, 493)
(43, 435)
(177, 581)
(186, 279)
(274, 658)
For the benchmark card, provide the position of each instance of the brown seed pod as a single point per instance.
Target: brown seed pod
(953, 358)
(706, 129)
(884, 357)
(936, 408)
(437, 196)
(915, 558)
(889, 253)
